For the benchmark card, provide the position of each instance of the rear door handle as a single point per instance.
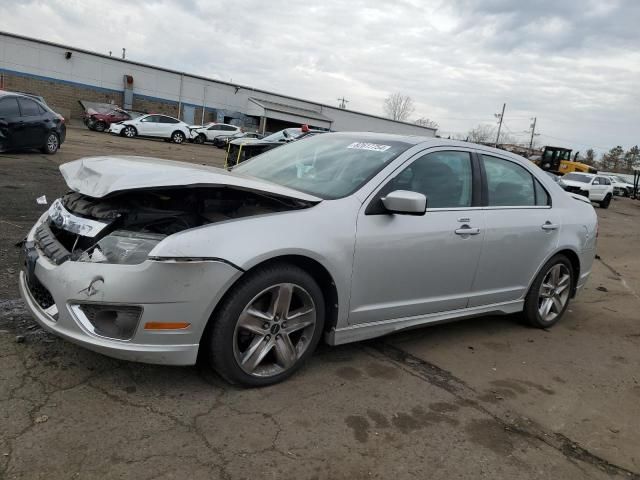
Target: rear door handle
(467, 230)
(549, 226)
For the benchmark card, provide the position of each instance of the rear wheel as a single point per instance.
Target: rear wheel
(605, 203)
(100, 127)
(129, 131)
(177, 137)
(267, 327)
(550, 292)
(51, 145)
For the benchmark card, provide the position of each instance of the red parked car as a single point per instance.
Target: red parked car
(99, 116)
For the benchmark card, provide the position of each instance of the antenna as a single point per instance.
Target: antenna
(342, 103)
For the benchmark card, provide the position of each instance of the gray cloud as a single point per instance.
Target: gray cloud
(573, 64)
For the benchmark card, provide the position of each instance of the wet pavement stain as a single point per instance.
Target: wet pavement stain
(379, 370)
(360, 427)
(348, 373)
(379, 420)
(491, 435)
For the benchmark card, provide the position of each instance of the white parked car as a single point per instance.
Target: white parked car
(597, 188)
(152, 125)
(620, 186)
(209, 133)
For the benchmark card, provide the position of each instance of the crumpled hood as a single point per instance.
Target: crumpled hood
(100, 176)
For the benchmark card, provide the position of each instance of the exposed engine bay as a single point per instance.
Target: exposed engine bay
(136, 220)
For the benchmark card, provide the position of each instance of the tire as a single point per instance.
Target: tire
(606, 202)
(178, 137)
(51, 144)
(554, 296)
(270, 350)
(199, 139)
(100, 127)
(129, 131)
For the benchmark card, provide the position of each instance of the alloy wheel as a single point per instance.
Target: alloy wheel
(52, 143)
(178, 137)
(554, 292)
(129, 132)
(274, 330)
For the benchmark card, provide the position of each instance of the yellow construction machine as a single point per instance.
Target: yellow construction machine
(558, 160)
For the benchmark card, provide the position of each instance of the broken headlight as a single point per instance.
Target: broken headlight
(129, 248)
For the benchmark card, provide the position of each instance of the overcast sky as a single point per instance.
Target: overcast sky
(575, 64)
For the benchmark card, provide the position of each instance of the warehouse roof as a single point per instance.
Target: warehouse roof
(237, 86)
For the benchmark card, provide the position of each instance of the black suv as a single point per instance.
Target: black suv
(26, 122)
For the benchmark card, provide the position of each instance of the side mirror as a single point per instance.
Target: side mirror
(405, 202)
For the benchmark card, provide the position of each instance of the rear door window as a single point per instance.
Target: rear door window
(165, 119)
(9, 108)
(28, 107)
(508, 184)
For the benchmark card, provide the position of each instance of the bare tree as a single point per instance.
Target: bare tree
(426, 122)
(632, 159)
(589, 157)
(398, 107)
(482, 134)
(612, 159)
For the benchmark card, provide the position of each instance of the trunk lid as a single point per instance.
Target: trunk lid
(98, 177)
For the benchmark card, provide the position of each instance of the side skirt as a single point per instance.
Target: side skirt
(365, 331)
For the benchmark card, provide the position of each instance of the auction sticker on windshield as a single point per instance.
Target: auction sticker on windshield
(369, 146)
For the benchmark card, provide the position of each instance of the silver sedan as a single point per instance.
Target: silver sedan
(342, 236)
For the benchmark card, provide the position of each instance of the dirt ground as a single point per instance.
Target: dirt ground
(483, 398)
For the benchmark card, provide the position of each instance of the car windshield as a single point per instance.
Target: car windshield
(577, 177)
(327, 166)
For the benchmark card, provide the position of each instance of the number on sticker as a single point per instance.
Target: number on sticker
(375, 147)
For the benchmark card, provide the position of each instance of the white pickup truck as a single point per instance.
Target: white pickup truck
(597, 188)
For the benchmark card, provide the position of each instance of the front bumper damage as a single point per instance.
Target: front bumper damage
(164, 291)
(115, 128)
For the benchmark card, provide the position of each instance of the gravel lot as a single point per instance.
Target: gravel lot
(483, 398)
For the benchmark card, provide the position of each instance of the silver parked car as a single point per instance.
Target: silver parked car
(344, 235)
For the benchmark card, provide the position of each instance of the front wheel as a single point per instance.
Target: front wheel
(177, 137)
(267, 327)
(550, 292)
(606, 202)
(129, 131)
(100, 127)
(52, 144)
(199, 139)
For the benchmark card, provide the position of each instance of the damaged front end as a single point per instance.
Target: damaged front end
(88, 275)
(124, 227)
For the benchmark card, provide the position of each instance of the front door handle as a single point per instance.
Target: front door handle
(467, 230)
(549, 226)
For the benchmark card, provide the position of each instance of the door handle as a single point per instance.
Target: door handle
(549, 226)
(467, 230)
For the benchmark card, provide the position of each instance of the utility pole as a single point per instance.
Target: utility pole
(500, 116)
(533, 132)
(124, 53)
(343, 103)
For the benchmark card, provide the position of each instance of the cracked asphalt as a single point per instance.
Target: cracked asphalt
(482, 398)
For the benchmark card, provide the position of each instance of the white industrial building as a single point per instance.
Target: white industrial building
(64, 75)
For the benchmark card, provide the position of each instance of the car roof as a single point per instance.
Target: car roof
(430, 142)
